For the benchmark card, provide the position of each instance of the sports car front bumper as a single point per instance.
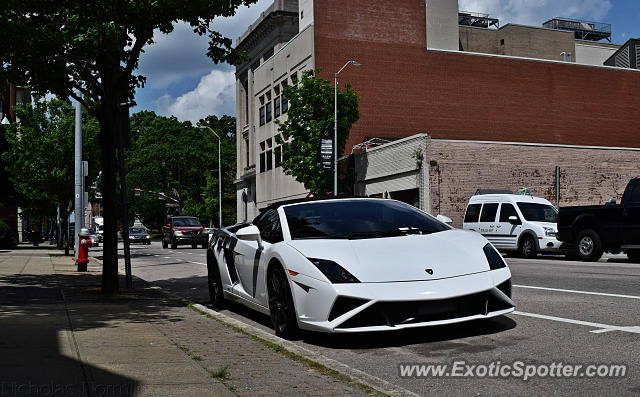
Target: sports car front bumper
(362, 307)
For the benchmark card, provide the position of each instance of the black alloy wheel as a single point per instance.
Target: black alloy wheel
(164, 243)
(528, 247)
(589, 246)
(174, 243)
(215, 282)
(281, 308)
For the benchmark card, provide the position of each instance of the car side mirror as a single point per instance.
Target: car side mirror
(250, 233)
(514, 220)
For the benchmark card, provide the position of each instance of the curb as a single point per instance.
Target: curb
(371, 381)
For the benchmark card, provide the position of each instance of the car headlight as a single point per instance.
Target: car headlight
(177, 233)
(493, 257)
(549, 232)
(334, 272)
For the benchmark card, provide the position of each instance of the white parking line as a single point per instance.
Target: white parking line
(601, 328)
(578, 292)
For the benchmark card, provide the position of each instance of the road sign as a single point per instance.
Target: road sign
(326, 149)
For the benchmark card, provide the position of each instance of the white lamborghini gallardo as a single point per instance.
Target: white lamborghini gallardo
(356, 264)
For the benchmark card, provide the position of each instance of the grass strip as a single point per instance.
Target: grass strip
(323, 369)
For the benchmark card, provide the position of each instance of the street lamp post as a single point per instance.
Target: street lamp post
(219, 176)
(335, 124)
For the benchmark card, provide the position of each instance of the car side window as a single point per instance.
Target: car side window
(507, 210)
(269, 226)
(489, 211)
(473, 212)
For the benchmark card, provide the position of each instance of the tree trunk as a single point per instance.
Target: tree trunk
(109, 122)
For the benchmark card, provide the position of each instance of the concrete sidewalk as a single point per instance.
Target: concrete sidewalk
(60, 336)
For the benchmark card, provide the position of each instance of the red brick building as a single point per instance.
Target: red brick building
(415, 78)
(406, 89)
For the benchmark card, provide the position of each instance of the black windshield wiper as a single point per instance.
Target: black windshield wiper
(373, 234)
(415, 230)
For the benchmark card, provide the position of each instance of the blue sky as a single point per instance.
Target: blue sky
(183, 82)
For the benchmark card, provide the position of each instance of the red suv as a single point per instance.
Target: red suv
(183, 230)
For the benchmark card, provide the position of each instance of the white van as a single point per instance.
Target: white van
(517, 223)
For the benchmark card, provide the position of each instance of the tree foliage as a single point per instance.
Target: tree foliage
(89, 51)
(310, 111)
(40, 155)
(180, 161)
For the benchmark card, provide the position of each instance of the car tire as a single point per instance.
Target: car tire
(528, 247)
(214, 281)
(634, 256)
(588, 246)
(194, 245)
(164, 243)
(281, 307)
(174, 243)
(204, 246)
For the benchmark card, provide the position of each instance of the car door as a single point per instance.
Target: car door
(631, 217)
(471, 217)
(487, 223)
(506, 234)
(250, 259)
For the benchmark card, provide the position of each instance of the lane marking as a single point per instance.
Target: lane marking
(198, 263)
(167, 257)
(601, 328)
(578, 292)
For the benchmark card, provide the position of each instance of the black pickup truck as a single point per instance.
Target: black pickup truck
(590, 230)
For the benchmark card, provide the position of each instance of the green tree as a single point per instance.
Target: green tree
(40, 156)
(311, 110)
(89, 51)
(181, 161)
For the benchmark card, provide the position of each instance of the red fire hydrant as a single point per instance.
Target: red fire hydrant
(84, 242)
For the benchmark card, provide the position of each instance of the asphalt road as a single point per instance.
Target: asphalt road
(567, 312)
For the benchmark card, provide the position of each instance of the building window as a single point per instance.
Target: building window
(246, 148)
(269, 160)
(262, 115)
(501, 41)
(269, 114)
(277, 152)
(276, 107)
(262, 164)
(285, 104)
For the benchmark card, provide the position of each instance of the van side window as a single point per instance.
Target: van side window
(506, 211)
(473, 212)
(489, 212)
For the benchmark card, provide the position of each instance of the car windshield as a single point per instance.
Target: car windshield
(186, 222)
(539, 212)
(137, 230)
(355, 219)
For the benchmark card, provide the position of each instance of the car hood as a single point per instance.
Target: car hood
(447, 254)
(187, 228)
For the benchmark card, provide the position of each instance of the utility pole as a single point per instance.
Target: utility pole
(79, 175)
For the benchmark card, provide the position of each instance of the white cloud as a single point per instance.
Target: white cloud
(181, 54)
(536, 12)
(214, 95)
